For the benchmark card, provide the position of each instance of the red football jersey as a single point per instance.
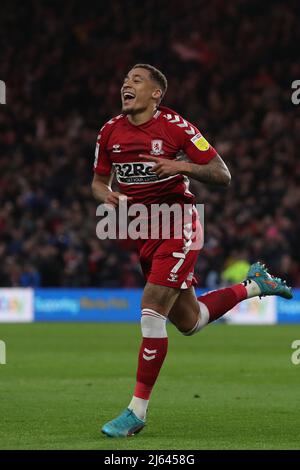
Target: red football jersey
(167, 134)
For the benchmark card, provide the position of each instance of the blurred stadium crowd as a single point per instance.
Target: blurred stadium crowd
(230, 65)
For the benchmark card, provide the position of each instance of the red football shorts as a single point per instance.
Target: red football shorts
(171, 262)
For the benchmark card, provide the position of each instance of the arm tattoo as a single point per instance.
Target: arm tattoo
(214, 172)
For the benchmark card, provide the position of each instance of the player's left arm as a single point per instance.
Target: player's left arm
(205, 163)
(213, 171)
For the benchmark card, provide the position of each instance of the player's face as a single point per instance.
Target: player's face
(138, 91)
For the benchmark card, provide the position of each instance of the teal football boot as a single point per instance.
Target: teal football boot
(125, 425)
(268, 284)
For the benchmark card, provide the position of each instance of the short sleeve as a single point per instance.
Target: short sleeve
(102, 163)
(196, 147)
(194, 144)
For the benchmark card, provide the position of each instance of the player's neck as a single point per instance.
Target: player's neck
(141, 118)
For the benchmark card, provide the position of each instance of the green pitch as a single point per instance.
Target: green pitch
(229, 387)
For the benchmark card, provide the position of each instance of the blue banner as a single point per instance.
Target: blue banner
(123, 305)
(288, 311)
(91, 305)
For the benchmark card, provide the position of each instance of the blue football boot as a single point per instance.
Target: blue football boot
(125, 425)
(268, 284)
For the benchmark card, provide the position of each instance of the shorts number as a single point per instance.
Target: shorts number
(178, 265)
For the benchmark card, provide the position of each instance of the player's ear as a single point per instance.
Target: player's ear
(157, 94)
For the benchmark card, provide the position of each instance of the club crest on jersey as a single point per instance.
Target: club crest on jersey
(156, 146)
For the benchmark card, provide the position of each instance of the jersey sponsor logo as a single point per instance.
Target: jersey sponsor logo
(129, 173)
(137, 173)
(200, 142)
(156, 146)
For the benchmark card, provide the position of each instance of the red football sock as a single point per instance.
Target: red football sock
(151, 357)
(221, 301)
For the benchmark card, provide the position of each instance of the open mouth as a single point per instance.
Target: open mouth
(128, 97)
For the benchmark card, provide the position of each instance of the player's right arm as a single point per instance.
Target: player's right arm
(101, 189)
(103, 174)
